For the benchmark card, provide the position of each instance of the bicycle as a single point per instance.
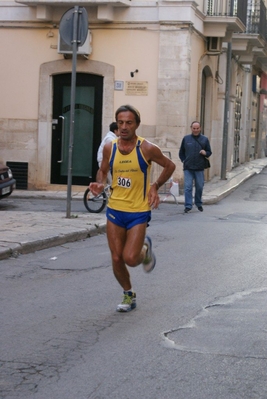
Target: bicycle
(96, 203)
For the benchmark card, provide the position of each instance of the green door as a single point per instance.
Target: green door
(87, 128)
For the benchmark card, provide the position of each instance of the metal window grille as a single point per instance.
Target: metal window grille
(256, 18)
(237, 8)
(20, 173)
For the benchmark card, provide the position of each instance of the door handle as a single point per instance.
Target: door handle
(62, 138)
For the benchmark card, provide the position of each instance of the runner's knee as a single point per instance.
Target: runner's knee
(131, 260)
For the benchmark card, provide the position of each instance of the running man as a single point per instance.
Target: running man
(129, 159)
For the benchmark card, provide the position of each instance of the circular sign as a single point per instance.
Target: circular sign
(66, 26)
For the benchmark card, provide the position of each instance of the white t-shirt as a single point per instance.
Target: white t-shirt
(107, 139)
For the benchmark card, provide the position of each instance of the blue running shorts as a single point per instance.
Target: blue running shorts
(127, 220)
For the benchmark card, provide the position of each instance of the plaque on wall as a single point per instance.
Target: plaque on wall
(136, 88)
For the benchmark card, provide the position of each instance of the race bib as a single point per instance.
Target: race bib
(124, 182)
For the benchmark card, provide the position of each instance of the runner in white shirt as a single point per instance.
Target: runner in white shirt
(111, 135)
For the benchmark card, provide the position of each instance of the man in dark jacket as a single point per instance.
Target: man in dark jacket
(194, 149)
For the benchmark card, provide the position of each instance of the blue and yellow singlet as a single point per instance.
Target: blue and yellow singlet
(130, 179)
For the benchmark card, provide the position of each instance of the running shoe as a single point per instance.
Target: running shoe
(128, 302)
(150, 260)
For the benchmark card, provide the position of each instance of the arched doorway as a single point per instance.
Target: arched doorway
(89, 74)
(87, 128)
(206, 101)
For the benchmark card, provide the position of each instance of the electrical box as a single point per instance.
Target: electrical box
(64, 48)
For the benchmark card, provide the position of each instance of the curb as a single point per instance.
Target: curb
(47, 195)
(214, 198)
(14, 249)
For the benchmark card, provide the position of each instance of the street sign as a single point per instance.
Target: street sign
(73, 28)
(66, 26)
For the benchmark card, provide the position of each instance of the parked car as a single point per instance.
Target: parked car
(7, 182)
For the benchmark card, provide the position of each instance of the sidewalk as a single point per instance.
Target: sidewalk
(24, 232)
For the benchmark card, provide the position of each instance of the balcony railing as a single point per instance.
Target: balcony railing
(228, 8)
(256, 18)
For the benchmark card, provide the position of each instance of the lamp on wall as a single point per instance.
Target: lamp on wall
(132, 73)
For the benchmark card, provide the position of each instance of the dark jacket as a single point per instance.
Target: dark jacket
(189, 151)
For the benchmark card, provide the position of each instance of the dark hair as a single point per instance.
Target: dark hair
(195, 122)
(125, 108)
(113, 126)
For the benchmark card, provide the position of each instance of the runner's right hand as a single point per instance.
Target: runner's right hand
(96, 188)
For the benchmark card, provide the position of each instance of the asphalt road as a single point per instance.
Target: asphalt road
(199, 329)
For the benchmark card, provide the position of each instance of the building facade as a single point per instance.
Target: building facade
(175, 61)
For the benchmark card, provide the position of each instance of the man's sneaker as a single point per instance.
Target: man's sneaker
(186, 210)
(200, 208)
(150, 260)
(128, 302)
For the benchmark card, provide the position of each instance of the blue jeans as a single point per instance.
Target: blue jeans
(189, 176)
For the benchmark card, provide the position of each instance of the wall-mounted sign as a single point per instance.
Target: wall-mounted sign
(118, 85)
(136, 88)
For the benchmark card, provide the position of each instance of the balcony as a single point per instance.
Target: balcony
(256, 19)
(70, 3)
(45, 8)
(251, 46)
(223, 17)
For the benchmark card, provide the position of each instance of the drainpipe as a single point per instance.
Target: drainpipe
(227, 102)
(226, 111)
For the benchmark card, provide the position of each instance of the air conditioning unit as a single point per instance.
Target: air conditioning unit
(214, 44)
(64, 48)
